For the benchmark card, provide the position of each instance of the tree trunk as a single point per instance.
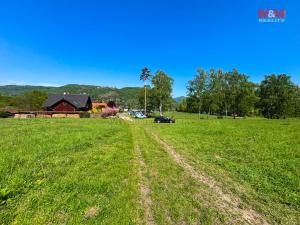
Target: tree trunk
(200, 106)
(145, 107)
(208, 112)
(160, 109)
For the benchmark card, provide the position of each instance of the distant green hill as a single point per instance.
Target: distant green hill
(179, 99)
(126, 95)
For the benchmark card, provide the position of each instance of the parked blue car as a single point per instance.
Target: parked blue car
(137, 114)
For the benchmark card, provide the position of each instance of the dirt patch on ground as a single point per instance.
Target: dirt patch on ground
(91, 212)
(125, 116)
(226, 202)
(145, 190)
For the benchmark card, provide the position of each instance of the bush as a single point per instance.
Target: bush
(4, 114)
(85, 115)
(106, 112)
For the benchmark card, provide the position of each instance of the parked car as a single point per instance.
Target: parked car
(137, 114)
(140, 115)
(162, 119)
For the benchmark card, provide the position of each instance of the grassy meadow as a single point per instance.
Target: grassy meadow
(261, 156)
(67, 171)
(97, 171)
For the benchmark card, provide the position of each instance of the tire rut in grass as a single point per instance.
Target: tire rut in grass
(144, 189)
(226, 202)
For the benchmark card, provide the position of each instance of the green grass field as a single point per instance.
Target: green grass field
(97, 171)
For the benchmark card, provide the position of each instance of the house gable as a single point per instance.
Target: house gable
(68, 102)
(63, 106)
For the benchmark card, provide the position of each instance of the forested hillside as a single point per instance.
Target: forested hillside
(127, 95)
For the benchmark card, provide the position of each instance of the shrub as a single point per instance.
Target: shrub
(4, 114)
(106, 112)
(84, 115)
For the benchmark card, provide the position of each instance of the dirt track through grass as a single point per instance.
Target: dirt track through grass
(144, 189)
(171, 196)
(225, 201)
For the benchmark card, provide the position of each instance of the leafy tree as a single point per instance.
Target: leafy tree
(144, 77)
(227, 101)
(5, 101)
(248, 99)
(196, 88)
(32, 100)
(182, 105)
(234, 81)
(162, 89)
(297, 101)
(215, 91)
(240, 93)
(192, 105)
(277, 96)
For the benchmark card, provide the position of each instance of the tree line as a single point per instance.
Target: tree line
(232, 93)
(224, 93)
(31, 100)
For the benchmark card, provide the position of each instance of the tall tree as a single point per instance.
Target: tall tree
(297, 101)
(196, 88)
(227, 93)
(238, 86)
(182, 105)
(145, 74)
(247, 98)
(277, 96)
(162, 89)
(221, 90)
(215, 93)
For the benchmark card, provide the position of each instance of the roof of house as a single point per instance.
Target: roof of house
(79, 101)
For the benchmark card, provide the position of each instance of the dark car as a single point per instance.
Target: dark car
(162, 119)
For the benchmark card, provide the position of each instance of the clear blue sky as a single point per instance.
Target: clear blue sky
(108, 42)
